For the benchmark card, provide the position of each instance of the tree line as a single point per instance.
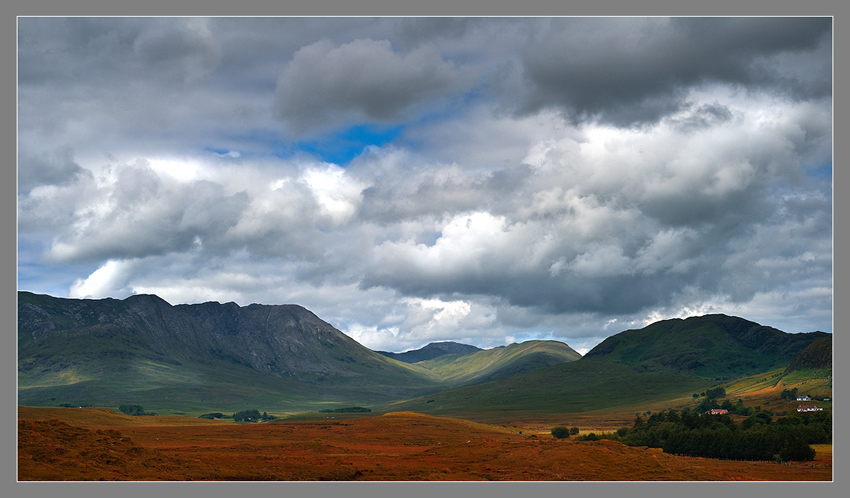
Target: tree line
(243, 416)
(758, 437)
(134, 410)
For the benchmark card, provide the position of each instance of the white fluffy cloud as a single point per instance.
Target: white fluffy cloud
(526, 191)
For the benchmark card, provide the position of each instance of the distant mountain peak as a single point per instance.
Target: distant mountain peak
(431, 351)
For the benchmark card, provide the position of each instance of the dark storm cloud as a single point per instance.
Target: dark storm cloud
(362, 80)
(57, 168)
(633, 71)
(564, 177)
(413, 31)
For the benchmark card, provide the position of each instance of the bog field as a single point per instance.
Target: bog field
(81, 444)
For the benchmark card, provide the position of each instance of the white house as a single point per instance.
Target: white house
(803, 398)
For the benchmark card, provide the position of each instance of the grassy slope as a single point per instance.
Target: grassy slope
(496, 363)
(572, 387)
(713, 347)
(126, 372)
(202, 388)
(83, 362)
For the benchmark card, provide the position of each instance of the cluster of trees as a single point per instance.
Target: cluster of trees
(736, 408)
(252, 416)
(213, 416)
(134, 410)
(710, 402)
(243, 416)
(562, 432)
(758, 437)
(350, 409)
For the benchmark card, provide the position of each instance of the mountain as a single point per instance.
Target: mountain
(565, 388)
(224, 357)
(214, 356)
(498, 363)
(666, 360)
(431, 351)
(100, 351)
(815, 356)
(710, 346)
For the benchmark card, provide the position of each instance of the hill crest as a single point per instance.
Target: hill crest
(708, 346)
(431, 351)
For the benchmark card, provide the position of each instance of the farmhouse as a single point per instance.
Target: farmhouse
(808, 408)
(804, 398)
(718, 411)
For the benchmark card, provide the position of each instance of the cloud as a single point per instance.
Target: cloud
(131, 212)
(560, 178)
(638, 70)
(108, 280)
(57, 168)
(361, 80)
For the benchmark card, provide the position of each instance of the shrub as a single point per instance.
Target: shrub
(134, 410)
(350, 409)
(796, 449)
(560, 432)
(252, 416)
(247, 416)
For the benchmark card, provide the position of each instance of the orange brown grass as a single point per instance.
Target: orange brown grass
(65, 445)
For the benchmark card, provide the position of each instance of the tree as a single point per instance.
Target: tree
(134, 410)
(560, 432)
(247, 416)
(574, 431)
(795, 448)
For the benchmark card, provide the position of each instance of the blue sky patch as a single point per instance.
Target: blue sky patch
(342, 147)
(823, 171)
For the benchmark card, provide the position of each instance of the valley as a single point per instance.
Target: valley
(339, 411)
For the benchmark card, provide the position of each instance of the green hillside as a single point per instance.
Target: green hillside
(712, 346)
(497, 363)
(572, 387)
(211, 356)
(815, 356)
(222, 357)
(431, 351)
(667, 360)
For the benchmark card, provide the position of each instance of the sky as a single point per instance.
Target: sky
(411, 180)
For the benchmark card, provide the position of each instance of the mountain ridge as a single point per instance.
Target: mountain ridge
(432, 350)
(215, 356)
(709, 346)
(91, 348)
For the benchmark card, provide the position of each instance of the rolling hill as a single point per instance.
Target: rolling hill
(283, 358)
(431, 351)
(665, 360)
(710, 346)
(498, 363)
(815, 356)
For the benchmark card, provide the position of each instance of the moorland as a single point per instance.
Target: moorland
(336, 410)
